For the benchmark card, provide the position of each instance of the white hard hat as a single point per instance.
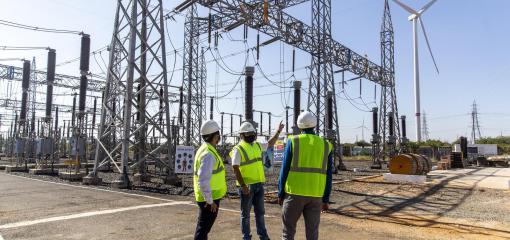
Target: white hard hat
(246, 127)
(210, 126)
(306, 120)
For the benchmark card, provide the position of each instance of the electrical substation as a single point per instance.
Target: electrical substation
(108, 152)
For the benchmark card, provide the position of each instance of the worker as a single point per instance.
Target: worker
(209, 181)
(305, 179)
(248, 163)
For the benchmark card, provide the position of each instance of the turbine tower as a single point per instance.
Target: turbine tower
(416, 18)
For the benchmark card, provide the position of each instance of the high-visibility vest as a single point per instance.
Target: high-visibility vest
(218, 181)
(251, 167)
(307, 175)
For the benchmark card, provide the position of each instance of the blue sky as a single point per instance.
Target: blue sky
(469, 39)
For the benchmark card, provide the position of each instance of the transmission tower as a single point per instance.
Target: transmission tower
(475, 125)
(321, 74)
(193, 81)
(33, 91)
(425, 128)
(135, 101)
(389, 130)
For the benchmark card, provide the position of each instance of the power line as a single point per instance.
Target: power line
(39, 29)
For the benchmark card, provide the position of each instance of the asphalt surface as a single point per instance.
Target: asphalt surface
(37, 209)
(41, 207)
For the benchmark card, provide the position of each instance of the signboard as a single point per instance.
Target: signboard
(279, 149)
(184, 159)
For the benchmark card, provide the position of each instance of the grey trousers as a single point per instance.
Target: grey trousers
(293, 206)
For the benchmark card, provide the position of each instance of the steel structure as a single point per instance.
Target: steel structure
(193, 81)
(388, 111)
(61, 81)
(475, 125)
(425, 128)
(315, 39)
(130, 114)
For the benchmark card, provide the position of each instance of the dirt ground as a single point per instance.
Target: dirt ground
(365, 207)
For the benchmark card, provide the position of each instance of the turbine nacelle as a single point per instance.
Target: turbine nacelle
(416, 15)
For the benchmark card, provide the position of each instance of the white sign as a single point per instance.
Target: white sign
(184, 159)
(279, 149)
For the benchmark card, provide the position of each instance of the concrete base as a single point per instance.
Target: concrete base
(43, 171)
(376, 166)
(92, 180)
(9, 169)
(71, 176)
(122, 183)
(139, 178)
(401, 178)
(173, 179)
(341, 167)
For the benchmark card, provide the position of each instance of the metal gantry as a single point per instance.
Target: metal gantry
(315, 39)
(388, 137)
(131, 113)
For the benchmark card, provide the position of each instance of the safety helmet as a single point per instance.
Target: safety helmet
(246, 127)
(306, 120)
(210, 126)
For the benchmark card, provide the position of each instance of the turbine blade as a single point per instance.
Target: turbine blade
(405, 7)
(428, 43)
(424, 8)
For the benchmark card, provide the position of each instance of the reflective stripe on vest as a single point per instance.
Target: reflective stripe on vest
(218, 182)
(295, 160)
(309, 164)
(219, 166)
(245, 157)
(250, 166)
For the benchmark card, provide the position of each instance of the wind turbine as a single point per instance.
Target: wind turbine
(416, 18)
(363, 127)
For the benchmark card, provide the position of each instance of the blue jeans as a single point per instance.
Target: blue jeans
(255, 198)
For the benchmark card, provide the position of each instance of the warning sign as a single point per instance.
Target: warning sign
(184, 157)
(279, 149)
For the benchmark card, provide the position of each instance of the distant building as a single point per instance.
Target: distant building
(479, 149)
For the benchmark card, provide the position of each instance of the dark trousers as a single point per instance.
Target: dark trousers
(205, 220)
(255, 199)
(293, 207)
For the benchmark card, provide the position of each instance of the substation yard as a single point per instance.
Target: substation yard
(456, 204)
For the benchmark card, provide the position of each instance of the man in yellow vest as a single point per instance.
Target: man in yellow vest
(305, 179)
(247, 162)
(209, 181)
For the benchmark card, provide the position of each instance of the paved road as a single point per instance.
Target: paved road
(34, 209)
(495, 178)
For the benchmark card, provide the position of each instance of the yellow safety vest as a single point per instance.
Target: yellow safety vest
(251, 166)
(218, 181)
(307, 175)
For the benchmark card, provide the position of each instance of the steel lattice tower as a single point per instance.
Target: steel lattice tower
(321, 74)
(193, 81)
(425, 128)
(321, 77)
(475, 125)
(388, 110)
(135, 99)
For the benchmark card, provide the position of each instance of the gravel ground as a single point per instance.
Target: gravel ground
(373, 197)
(157, 186)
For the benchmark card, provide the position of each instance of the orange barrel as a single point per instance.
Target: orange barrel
(409, 164)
